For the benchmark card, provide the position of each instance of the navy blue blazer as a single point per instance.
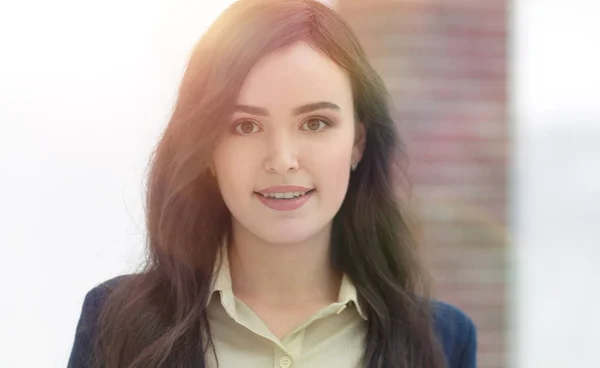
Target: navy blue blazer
(455, 330)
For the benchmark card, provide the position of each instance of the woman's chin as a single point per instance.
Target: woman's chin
(286, 238)
(284, 231)
(288, 235)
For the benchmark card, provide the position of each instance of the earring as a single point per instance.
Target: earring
(353, 166)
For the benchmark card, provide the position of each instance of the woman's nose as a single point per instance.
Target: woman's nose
(282, 156)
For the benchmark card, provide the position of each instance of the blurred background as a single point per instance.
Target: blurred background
(497, 101)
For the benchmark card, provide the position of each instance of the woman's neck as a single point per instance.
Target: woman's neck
(283, 274)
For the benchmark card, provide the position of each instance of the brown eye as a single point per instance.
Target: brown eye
(315, 124)
(246, 127)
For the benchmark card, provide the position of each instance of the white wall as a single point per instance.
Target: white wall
(556, 106)
(85, 89)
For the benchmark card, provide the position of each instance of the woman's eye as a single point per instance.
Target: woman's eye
(315, 124)
(246, 127)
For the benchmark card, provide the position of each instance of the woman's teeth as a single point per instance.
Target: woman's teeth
(285, 195)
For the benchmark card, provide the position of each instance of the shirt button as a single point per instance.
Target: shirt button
(285, 362)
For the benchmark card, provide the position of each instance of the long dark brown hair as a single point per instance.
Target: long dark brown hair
(157, 317)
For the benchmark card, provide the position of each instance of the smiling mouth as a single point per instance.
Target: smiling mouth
(285, 195)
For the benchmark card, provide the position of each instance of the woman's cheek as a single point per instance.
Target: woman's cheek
(334, 169)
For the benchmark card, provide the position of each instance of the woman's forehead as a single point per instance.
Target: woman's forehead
(296, 75)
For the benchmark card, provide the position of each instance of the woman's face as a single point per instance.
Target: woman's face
(284, 162)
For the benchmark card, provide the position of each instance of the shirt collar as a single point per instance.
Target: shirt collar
(222, 284)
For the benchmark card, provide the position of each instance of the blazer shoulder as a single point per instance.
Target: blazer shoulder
(457, 334)
(95, 297)
(86, 330)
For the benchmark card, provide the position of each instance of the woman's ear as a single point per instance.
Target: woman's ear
(359, 145)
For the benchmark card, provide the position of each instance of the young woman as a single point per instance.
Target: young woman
(275, 231)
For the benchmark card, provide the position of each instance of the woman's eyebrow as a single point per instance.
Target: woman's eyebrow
(261, 111)
(314, 106)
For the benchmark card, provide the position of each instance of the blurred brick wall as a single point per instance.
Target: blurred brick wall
(444, 63)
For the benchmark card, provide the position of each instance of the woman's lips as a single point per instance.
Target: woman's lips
(286, 204)
(283, 189)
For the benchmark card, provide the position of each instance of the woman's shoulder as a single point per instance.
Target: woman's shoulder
(96, 296)
(457, 334)
(87, 328)
(107, 285)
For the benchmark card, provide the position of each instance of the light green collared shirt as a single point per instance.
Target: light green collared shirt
(332, 338)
